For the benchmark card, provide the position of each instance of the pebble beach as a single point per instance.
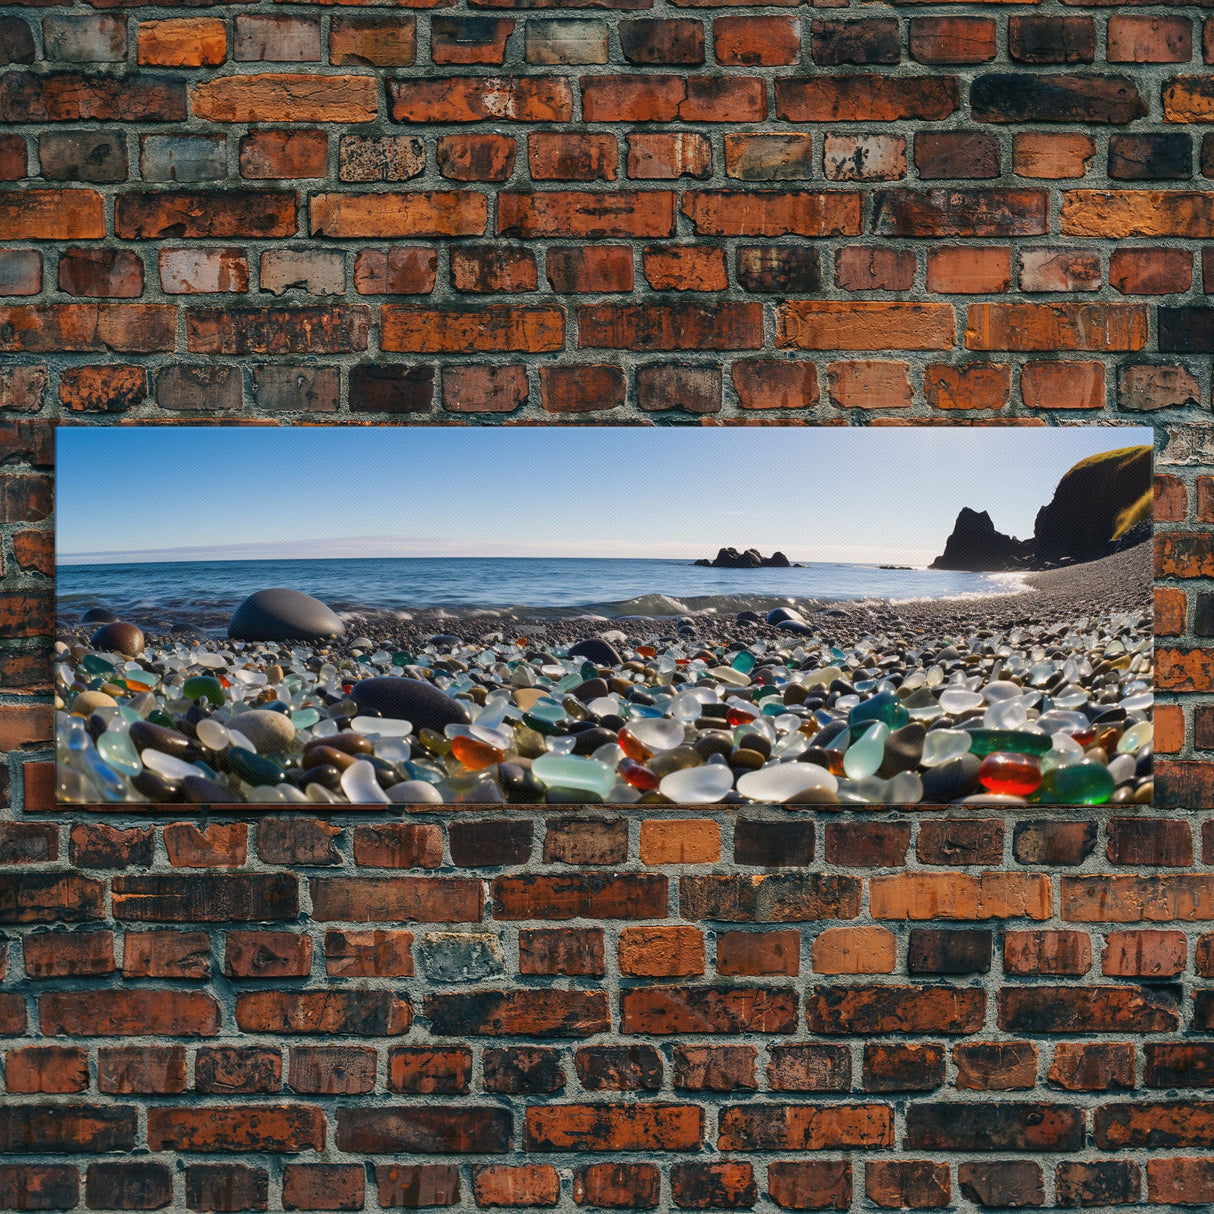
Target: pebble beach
(1038, 697)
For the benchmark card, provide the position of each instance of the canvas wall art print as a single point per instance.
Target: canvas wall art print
(312, 616)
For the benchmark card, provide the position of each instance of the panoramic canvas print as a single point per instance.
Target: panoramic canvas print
(686, 615)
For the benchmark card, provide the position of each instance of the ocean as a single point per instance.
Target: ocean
(205, 593)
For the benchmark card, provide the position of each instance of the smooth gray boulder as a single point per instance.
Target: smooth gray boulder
(284, 615)
(413, 700)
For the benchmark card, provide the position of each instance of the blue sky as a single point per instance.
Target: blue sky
(816, 493)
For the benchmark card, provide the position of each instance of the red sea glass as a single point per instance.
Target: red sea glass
(1013, 774)
(475, 754)
(631, 746)
(638, 775)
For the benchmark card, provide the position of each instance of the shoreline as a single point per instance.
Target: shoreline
(1011, 699)
(1115, 584)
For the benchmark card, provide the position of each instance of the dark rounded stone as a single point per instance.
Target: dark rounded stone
(445, 640)
(589, 740)
(749, 617)
(283, 615)
(951, 781)
(145, 735)
(903, 750)
(199, 790)
(596, 651)
(410, 700)
(591, 689)
(118, 637)
(99, 615)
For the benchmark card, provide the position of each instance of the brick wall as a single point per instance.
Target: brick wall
(652, 212)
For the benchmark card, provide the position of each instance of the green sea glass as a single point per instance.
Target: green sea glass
(204, 685)
(1015, 741)
(884, 707)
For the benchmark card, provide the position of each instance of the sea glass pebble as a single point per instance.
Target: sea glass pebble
(785, 781)
(358, 782)
(1015, 774)
(1086, 783)
(698, 785)
(941, 745)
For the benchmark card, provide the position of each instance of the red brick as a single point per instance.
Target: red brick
(619, 1186)
(561, 951)
(107, 388)
(1037, 154)
(98, 845)
(378, 41)
(568, 213)
(657, 42)
(865, 97)
(77, 96)
(480, 98)
(29, 842)
(558, 156)
(399, 845)
(874, 268)
(661, 952)
(1111, 1181)
(20, 272)
(1143, 954)
(1063, 385)
(895, 1067)
(901, 1184)
(417, 1185)
(493, 268)
(265, 954)
(182, 42)
(60, 954)
(707, 1009)
(810, 1185)
(121, 1013)
(1180, 1181)
(126, 328)
(756, 953)
(869, 384)
(972, 386)
(969, 270)
(476, 157)
(952, 39)
(377, 1013)
(437, 213)
(714, 1068)
(1169, 727)
(318, 1186)
(514, 1013)
(429, 1071)
(1059, 270)
(773, 213)
(1149, 39)
(283, 154)
(229, 1069)
(855, 950)
(756, 41)
(1134, 271)
(142, 215)
(1137, 212)
(1171, 611)
(284, 97)
(804, 1127)
(775, 385)
(46, 1068)
(713, 1186)
(484, 389)
(332, 1070)
(613, 1127)
(469, 39)
(365, 954)
(590, 270)
(678, 326)
(246, 1127)
(400, 270)
(685, 268)
(226, 1187)
(1149, 842)
(995, 1066)
(498, 1185)
(655, 98)
(504, 327)
(1092, 1066)
(966, 212)
(666, 156)
(1061, 326)
(692, 389)
(809, 1068)
(894, 1009)
(943, 155)
(167, 954)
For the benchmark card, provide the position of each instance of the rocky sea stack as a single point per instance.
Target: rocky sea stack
(731, 558)
(1101, 505)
